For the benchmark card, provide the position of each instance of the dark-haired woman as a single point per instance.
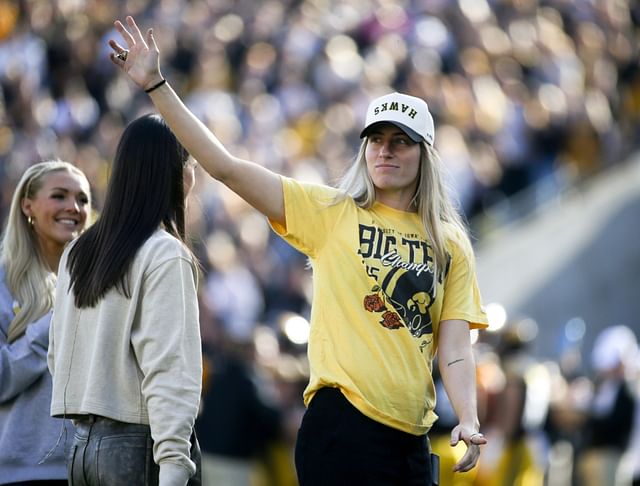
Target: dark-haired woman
(125, 349)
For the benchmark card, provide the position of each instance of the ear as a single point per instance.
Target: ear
(25, 204)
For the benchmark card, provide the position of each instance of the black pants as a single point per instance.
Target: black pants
(339, 446)
(105, 452)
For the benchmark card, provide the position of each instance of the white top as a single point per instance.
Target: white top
(135, 360)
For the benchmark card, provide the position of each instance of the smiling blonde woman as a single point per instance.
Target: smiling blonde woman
(49, 208)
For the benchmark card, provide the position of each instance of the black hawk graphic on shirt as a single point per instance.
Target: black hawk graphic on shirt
(402, 267)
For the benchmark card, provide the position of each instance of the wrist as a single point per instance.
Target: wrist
(470, 424)
(155, 83)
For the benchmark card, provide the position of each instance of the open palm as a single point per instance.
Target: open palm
(142, 61)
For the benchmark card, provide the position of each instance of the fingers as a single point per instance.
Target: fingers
(132, 36)
(473, 442)
(468, 461)
(116, 47)
(151, 41)
(471, 456)
(119, 56)
(477, 439)
(135, 30)
(128, 38)
(119, 51)
(116, 60)
(455, 436)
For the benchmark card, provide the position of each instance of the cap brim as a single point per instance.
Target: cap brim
(412, 134)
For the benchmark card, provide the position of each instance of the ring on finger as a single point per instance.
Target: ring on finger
(123, 55)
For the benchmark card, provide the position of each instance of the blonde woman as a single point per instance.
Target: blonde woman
(394, 282)
(49, 208)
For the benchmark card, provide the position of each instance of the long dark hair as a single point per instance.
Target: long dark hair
(145, 190)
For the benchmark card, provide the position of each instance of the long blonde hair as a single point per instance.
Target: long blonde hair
(29, 280)
(439, 216)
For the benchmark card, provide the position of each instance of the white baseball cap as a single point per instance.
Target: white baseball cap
(408, 113)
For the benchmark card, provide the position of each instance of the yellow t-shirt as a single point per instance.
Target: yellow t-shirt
(376, 305)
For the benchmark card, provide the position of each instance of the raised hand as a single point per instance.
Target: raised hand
(141, 58)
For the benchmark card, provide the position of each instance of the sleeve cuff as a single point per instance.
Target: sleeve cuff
(173, 475)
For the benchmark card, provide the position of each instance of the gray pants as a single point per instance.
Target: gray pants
(109, 453)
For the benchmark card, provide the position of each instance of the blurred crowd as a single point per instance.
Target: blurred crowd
(529, 97)
(574, 421)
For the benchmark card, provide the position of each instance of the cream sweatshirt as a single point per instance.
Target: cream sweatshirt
(135, 360)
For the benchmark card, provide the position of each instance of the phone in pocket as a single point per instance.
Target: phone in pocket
(435, 469)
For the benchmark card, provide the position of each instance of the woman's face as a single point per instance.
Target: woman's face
(58, 210)
(393, 162)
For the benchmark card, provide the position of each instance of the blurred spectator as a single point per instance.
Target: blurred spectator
(510, 395)
(634, 449)
(237, 421)
(630, 469)
(569, 399)
(609, 421)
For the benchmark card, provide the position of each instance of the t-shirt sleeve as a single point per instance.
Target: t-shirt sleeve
(462, 299)
(310, 212)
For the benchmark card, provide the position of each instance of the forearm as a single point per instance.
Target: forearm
(257, 185)
(458, 375)
(458, 370)
(199, 141)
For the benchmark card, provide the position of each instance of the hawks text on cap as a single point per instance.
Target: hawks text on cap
(395, 106)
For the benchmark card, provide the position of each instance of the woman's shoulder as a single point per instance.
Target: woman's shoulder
(162, 245)
(458, 238)
(160, 249)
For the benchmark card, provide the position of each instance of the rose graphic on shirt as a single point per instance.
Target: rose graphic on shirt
(375, 303)
(391, 320)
